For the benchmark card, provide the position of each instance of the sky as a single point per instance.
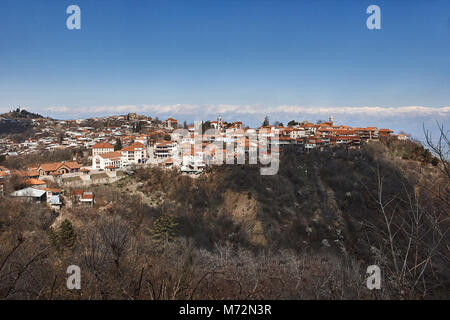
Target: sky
(242, 59)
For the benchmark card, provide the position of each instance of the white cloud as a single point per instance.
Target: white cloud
(410, 119)
(204, 110)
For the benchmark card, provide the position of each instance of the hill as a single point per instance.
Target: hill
(20, 114)
(17, 122)
(309, 232)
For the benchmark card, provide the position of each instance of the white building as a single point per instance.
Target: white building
(142, 139)
(110, 160)
(297, 133)
(135, 153)
(171, 123)
(101, 148)
(164, 149)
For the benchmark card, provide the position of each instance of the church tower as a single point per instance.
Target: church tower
(219, 122)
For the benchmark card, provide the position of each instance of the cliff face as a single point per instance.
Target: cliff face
(243, 209)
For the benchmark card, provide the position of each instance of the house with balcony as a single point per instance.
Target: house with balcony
(164, 149)
(136, 153)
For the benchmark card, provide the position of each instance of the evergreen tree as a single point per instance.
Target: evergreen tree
(137, 126)
(67, 234)
(266, 121)
(164, 228)
(63, 237)
(292, 123)
(118, 145)
(205, 126)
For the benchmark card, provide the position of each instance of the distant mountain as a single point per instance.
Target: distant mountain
(21, 114)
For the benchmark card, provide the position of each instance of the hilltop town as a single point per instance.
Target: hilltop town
(105, 149)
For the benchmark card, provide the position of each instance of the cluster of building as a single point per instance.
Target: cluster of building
(83, 134)
(191, 148)
(36, 180)
(37, 190)
(49, 135)
(120, 142)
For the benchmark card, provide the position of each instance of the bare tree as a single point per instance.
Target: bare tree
(409, 241)
(440, 147)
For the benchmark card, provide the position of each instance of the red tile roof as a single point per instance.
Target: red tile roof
(111, 155)
(34, 182)
(77, 192)
(103, 145)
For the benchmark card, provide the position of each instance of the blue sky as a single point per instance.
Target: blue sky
(242, 59)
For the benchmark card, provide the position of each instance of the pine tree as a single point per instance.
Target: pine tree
(164, 228)
(67, 234)
(137, 127)
(118, 145)
(63, 237)
(292, 123)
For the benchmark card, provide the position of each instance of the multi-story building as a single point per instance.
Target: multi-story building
(101, 148)
(164, 149)
(171, 123)
(136, 153)
(110, 160)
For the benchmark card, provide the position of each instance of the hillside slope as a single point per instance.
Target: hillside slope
(309, 232)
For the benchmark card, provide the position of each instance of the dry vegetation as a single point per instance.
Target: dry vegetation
(307, 233)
